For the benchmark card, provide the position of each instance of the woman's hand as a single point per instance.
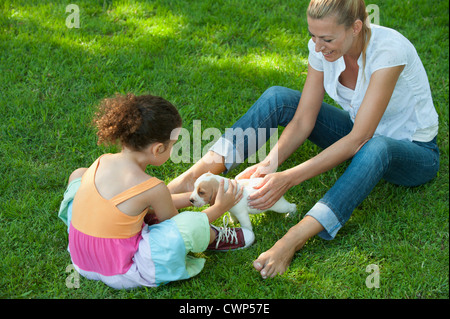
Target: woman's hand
(270, 190)
(226, 200)
(258, 170)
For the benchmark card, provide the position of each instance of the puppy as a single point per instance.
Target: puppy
(205, 192)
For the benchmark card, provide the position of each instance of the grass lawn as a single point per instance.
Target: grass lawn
(212, 59)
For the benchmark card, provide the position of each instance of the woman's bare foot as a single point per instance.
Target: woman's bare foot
(277, 259)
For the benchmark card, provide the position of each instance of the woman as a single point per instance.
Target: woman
(387, 127)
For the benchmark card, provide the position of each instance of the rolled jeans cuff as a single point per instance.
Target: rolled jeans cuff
(226, 149)
(325, 216)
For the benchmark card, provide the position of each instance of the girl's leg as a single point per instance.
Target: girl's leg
(77, 174)
(212, 235)
(65, 209)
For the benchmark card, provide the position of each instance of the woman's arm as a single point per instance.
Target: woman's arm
(378, 94)
(304, 120)
(298, 129)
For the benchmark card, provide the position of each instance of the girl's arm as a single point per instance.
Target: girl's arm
(164, 207)
(181, 200)
(161, 202)
(224, 200)
(378, 94)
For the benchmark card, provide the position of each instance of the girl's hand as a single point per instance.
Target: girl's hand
(258, 170)
(226, 200)
(270, 190)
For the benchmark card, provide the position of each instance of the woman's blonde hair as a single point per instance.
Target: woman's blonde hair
(346, 12)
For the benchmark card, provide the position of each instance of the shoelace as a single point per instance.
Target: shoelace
(226, 234)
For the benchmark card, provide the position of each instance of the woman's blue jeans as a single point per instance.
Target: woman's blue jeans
(397, 161)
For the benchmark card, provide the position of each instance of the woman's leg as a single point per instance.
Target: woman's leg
(184, 183)
(277, 259)
(331, 125)
(399, 162)
(275, 107)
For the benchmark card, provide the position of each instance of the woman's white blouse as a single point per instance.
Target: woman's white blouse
(410, 113)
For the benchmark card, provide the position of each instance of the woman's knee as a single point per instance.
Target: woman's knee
(276, 89)
(403, 162)
(281, 93)
(377, 149)
(281, 101)
(378, 144)
(77, 173)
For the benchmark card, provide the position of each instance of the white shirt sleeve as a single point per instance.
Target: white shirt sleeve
(387, 56)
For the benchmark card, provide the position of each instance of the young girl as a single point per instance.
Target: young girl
(104, 205)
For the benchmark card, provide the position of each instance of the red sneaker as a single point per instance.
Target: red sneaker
(231, 238)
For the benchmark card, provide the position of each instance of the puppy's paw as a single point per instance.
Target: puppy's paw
(292, 211)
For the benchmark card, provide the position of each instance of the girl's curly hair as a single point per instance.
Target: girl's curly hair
(135, 121)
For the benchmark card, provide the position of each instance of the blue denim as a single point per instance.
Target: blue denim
(399, 162)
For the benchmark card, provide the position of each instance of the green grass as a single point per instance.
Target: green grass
(212, 59)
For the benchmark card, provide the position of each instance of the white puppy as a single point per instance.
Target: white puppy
(205, 192)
